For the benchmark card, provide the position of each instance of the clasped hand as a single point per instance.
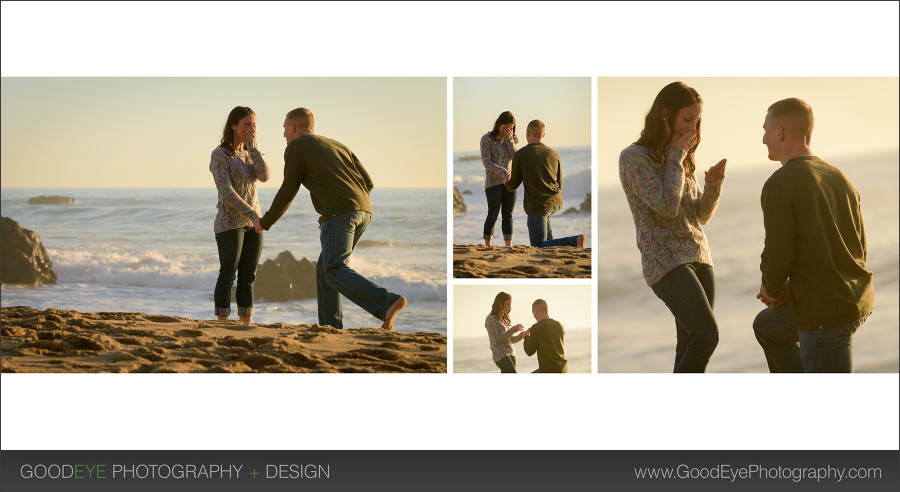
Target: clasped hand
(773, 302)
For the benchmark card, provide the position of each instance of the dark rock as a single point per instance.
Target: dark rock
(467, 192)
(586, 204)
(458, 206)
(24, 259)
(51, 200)
(285, 279)
(570, 210)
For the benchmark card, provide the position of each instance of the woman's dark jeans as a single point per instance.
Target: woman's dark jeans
(239, 251)
(498, 199)
(689, 292)
(507, 364)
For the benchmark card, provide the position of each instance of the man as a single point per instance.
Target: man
(339, 187)
(814, 255)
(537, 167)
(546, 338)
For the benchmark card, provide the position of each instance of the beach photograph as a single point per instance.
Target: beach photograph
(117, 227)
(855, 129)
(521, 328)
(522, 198)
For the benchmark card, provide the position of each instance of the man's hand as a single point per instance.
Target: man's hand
(774, 302)
(257, 226)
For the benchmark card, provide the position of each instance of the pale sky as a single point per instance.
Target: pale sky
(562, 103)
(852, 115)
(568, 304)
(159, 131)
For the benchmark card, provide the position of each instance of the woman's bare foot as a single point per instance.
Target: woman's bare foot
(579, 241)
(392, 312)
(508, 243)
(487, 242)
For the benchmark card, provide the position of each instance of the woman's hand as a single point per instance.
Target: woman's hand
(518, 327)
(250, 136)
(716, 172)
(685, 142)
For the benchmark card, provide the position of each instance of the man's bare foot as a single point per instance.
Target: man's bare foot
(487, 242)
(392, 312)
(246, 319)
(579, 241)
(222, 318)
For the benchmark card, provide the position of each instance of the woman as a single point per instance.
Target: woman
(236, 164)
(500, 333)
(668, 205)
(497, 149)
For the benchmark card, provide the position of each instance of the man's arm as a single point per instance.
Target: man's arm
(531, 343)
(362, 171)
(293, 178)
(778, 253)
(515, 177)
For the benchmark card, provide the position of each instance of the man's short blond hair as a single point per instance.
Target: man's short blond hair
(540, 306)
(535, 128)
(301, 117)
(795, 116)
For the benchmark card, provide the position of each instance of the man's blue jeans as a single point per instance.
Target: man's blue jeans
(777, 335)
(790, 350)
(689, 292)
(540, 233)
(334, 277)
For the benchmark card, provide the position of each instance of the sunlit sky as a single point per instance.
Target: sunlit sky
(563, 104)
(852, 115)
(568, 304)
(159, 132)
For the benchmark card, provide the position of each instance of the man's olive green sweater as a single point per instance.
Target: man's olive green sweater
(336, 180)
(537, 166)
(546, 338)
(815, 237)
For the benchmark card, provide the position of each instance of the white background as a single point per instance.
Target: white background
(447, 411)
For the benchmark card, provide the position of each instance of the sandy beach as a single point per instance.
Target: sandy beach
(55, 340)
(518, 261)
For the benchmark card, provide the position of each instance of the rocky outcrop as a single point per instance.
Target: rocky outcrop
(285, 279)
(24, 259)
(585, 207)
(458, 206)
(586, 204)
(51, 200)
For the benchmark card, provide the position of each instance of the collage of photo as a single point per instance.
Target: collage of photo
(570, 225)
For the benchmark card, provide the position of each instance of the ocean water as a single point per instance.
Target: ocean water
(468, 176)
(636, 332)
(154, 251)
(473, 354)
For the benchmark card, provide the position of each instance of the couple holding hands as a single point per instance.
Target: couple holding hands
(536, 167)
(544, 337)
(815, 284)
(339, 187)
